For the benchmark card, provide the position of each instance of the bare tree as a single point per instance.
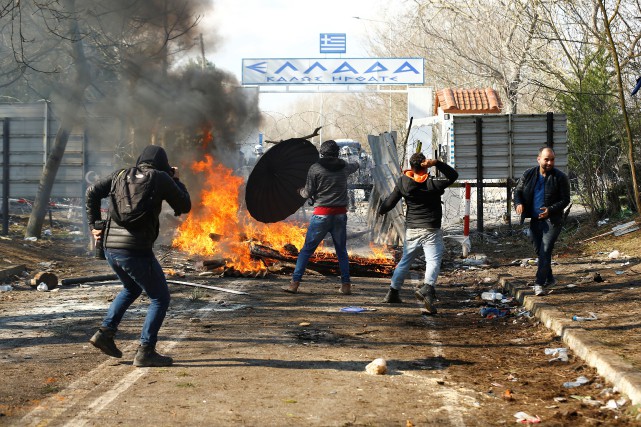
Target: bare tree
(474, 43)
(612, 20)
(579, 31)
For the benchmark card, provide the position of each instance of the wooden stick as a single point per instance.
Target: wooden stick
(198, 285)
(618, 228)
(311, 135)
(86, 279)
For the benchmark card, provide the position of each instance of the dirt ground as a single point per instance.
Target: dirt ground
(271, 359)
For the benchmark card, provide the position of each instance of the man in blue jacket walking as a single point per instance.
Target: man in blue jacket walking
(542, 194)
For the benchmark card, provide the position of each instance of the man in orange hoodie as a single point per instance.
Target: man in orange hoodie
(422, 194)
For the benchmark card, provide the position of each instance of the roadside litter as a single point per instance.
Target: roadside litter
(491, 296)
(525, 418)
(561, 354)
(6, 288)
(587, 400)
(492, 312)
(524, 312)
(615, 404)
(618, 230)
(576, 383)
(591, 316)
(476, 260)
(354, 309)
(529, 262)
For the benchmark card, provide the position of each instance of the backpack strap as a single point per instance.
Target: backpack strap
(114, 178)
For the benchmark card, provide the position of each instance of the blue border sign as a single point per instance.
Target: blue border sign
(334, 71)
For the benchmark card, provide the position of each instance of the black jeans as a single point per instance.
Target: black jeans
(544, 235)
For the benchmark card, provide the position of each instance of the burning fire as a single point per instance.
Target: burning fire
(217, 226)
(379, 253)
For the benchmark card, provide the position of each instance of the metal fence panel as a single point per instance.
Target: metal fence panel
(510, 144)
(32, 131)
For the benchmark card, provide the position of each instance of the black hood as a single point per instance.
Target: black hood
(332, 163)
(156, 157)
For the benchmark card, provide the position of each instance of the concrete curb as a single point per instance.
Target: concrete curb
(608, 364)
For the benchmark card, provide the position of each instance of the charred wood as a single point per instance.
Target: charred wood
(86, 279)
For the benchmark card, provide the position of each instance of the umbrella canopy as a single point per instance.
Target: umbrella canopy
(271, 194)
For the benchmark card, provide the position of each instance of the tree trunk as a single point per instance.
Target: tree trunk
(39, 210)
(624, 110)
(69, 118)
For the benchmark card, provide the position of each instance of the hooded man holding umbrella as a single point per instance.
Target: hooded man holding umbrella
(326, 185)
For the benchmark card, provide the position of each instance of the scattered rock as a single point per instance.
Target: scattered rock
(377, 367)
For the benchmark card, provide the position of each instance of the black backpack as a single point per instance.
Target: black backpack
(132, 196)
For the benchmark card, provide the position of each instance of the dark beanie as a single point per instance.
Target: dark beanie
(155, 156)
(329, 148)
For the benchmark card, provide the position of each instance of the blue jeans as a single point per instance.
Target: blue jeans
(431, 241)
(544, 235)
(319, 226)
(137, 274)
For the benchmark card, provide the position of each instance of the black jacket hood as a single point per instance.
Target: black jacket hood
(332, 163)
(156, 157)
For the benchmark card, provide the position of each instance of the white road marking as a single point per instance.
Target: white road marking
(448, 397)
(54, 407)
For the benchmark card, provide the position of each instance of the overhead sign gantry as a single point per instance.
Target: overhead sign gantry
(333, 71)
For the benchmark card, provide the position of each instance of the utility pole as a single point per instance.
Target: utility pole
(389, 52)
(202, 51)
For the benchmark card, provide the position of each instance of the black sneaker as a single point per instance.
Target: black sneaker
(427, 294)
(392, 297)
(104, 341)
(146, 356)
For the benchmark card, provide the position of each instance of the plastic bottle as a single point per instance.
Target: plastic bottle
(584, 319)
(6, 288)
(492, 295)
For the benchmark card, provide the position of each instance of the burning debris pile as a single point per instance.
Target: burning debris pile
(231, 243)
(325, 263)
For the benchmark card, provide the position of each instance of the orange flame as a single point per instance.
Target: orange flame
(379, 253)
(218, 213)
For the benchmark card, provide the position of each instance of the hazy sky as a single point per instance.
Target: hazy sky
(286, 29)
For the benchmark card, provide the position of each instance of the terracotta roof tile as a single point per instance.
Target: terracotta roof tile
(467, 101)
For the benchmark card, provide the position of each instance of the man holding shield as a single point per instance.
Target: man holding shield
(326, 185)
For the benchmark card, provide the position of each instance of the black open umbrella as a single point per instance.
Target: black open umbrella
(271, 194)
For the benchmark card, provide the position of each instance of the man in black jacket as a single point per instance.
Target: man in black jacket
(542, 194)
(422, 195)
(129, 253)
(326, 184)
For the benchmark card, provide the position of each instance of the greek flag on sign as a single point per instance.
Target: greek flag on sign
(333, 43)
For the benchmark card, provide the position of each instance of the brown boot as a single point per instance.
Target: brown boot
(292, 288)
(346, 288)
(427, 295)
(147, 356)
(393, 297)
(104, 341)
